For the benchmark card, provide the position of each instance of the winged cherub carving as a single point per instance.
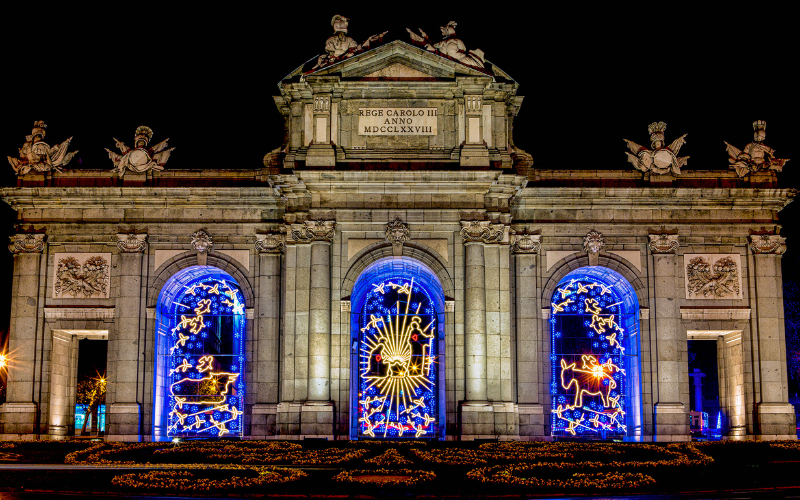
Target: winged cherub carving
(450, 46)
(660, 159)
(140, 158)
(37, 155)
(757, 156)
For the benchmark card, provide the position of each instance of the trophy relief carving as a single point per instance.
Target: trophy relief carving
(81, 276)
(140, 158)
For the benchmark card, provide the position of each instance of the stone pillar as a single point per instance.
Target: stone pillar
(311, 407)
(20, 409)
(483, 286)
(321, 152)
(475, 322)
(319, 322)
(669, 368)
(63, 370)
(775, 416)
(269, 248)
(525, 248)
(124, 408)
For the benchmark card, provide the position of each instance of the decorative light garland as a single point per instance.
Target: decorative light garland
(588, 381)
(205, 360)
(397, 350)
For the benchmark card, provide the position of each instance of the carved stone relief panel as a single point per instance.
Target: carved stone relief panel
(713, 276)
(81, 275)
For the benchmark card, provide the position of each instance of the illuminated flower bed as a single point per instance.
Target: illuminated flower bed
(385, 477)
(519, 475)
(213, 452)
(389, 457)
(194, 481)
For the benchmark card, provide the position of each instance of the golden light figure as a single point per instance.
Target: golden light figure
(401, 373)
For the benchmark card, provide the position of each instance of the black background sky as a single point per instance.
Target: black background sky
(591, 76)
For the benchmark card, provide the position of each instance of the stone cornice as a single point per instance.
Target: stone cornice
(578, 198)
(140, 197)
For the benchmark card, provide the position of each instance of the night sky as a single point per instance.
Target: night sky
(590, 76)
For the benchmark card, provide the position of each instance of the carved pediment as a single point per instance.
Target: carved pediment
(398, 70)
(398, 55)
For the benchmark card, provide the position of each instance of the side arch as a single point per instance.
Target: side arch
(608, 261)
(188, 259)
(382, 250)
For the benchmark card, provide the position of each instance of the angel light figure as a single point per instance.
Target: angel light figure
(140, 158)
(660, 159)
(757, 156)
(37, 155)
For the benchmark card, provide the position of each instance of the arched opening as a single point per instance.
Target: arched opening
(397, 361)
(199, 372)
(595, 374)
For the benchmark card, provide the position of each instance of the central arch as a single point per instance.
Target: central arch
(397, 324)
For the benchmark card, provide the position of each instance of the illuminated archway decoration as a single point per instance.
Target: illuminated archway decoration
(594, 330)
(398, 327)
(200, 356)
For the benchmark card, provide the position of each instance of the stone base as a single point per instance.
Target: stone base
(300, 420)
(19, 418)
(320, 156)
(532, 423)
(122, 422)
(485, 420)
(776, 421)
(316, 420)
(263, 421)
(474, 156)
(671, 423)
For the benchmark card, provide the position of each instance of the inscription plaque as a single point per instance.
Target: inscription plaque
(397, 121)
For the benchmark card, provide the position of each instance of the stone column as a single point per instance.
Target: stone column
(526, 247)
(319, 322)
(19, 411)
(669, 368)
(269, 247)
(775, 416)
(316, 415)
(477, 419)
(124, 407)
(475, 322)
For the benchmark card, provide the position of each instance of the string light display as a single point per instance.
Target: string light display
(203, 356)
(397, 356)
(589, 362)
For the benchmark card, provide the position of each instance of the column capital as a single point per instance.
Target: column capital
(483, 231)
(525, 242)
(767, 244)
(663, 243)
(271, 243)
(132, 242)
(27, 243)
(311, 230)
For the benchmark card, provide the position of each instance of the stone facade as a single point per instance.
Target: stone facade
(463, 201)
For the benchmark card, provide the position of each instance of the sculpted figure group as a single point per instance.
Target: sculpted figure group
(37, 156)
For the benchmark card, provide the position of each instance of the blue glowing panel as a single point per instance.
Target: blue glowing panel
(589, 323)
(203, 357)
(397, 352)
